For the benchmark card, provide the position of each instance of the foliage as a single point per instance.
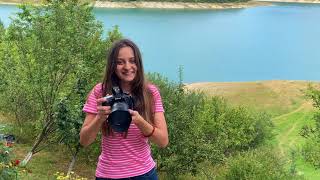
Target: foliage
(314, 94)
(2, 31)
(310, 150)
(232, 129)
(181, 155)
(261, 163)
(9, 166)
(7, 169)
(51, 57)
(202, 129)
(72, 176)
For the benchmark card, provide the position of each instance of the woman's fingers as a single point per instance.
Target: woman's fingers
(104, 109)
(133, 113)
(100, 101)
(136, 117)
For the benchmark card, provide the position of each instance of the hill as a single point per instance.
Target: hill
(275, 96)
(285, 101)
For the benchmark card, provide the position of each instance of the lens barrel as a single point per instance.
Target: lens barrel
(120, 118)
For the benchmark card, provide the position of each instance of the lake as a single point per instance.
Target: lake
(279, 42)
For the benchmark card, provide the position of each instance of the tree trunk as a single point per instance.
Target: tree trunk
(40, 138)
(74, 156)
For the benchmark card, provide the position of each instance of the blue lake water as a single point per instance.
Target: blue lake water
(251, 44)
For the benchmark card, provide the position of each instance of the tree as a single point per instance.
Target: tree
(54, 54)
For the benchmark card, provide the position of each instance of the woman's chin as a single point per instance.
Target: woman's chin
(127, 80)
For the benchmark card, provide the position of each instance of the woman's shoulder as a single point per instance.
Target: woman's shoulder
(152, 86)
(153, 89)
(97, 89)
(98, 86)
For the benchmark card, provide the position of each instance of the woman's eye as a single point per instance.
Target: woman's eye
(119, 62)
(132, 61)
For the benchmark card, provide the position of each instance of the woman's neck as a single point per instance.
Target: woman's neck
(126, 87)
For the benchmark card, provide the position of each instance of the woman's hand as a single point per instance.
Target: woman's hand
(137, 119)
(157, 131)
(103, 111)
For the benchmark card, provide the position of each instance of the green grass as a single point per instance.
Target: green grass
(288, 139)
(46, 163)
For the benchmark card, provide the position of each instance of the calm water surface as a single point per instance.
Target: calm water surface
(260, 43)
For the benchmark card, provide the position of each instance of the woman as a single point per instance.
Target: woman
(129, 156)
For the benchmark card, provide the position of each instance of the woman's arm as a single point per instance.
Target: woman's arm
(93, 123)
(160, 134)
(90, 129)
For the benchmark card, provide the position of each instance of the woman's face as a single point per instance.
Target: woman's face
(126, 65)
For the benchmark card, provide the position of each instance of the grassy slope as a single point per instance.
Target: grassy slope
(275, 97)
(284, 100)
(287, 129)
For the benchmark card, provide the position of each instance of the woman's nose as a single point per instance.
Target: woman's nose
(126, 65)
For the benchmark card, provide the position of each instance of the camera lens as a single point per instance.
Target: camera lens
(120, 118)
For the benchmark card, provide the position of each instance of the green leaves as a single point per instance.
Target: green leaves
(261, 163)
(310, 150)
(51, 57)
(204, 129)
(7, 169)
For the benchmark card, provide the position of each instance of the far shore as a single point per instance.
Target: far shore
(162, 5)
(176, 5)
(292, 1)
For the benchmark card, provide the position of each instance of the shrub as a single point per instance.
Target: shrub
(230, 129)
(311, 152)
(9, 166)
(204, 129)
(261, 163)
(182, 154)
(311, 149)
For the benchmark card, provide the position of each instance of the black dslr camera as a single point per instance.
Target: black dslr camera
(119, 119)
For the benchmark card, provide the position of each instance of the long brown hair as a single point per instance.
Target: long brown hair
(139, 86)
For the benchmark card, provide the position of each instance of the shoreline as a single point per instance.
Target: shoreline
(165, 5)
(292, 1)
(178, 5)
(181, 5)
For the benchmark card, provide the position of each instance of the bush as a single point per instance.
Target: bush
(204, 129)
(7, 170)
(9, 166)
(232, 129)
(182, 154)
(311, 149)
(311, 152)
(261, 163)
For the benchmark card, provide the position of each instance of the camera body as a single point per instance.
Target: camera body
(119, 119)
